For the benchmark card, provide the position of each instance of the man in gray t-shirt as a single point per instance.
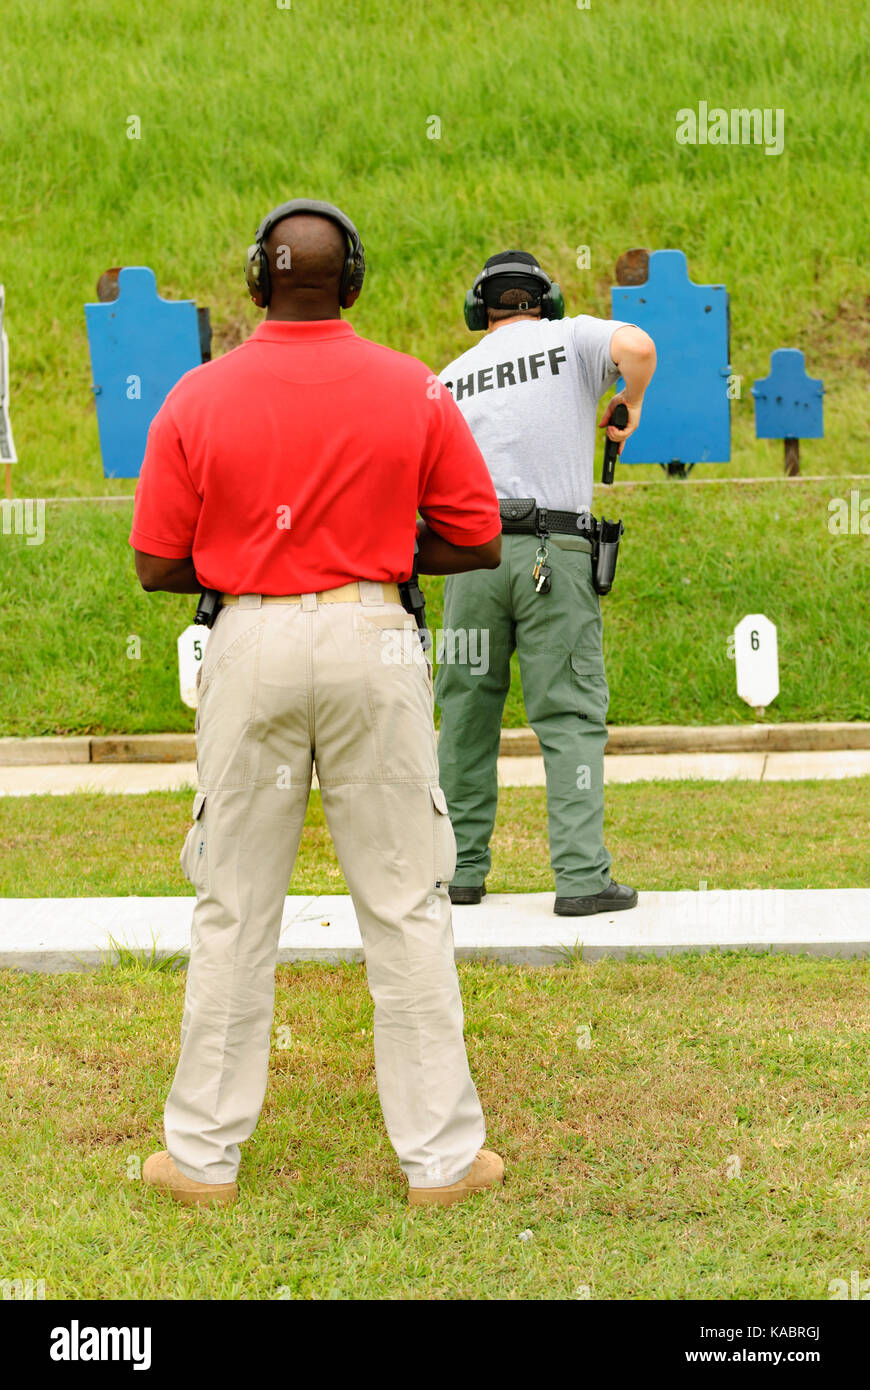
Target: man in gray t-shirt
(530, 393)
(529, 390)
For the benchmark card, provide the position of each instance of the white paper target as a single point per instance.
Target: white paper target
(191, 650)
(757, 660)
(7, 443)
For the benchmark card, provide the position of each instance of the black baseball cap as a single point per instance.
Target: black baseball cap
(493, 285)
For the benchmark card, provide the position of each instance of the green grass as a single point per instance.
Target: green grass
(712, 1142)
(125, 958)
(662, 835)
(693, 562)
(557, 131)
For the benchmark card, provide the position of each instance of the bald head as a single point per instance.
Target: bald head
(306, 254)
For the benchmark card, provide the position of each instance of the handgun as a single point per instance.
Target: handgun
(619, 419)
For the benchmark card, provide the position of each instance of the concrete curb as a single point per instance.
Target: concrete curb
(711, 738)
(521, 743)
(72, 934)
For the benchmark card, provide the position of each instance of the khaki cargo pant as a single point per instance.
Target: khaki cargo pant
(343, 686)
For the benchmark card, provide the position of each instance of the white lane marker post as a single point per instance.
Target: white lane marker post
(191, 650)
(757, 660)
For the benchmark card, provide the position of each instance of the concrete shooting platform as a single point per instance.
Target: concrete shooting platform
(73, 934)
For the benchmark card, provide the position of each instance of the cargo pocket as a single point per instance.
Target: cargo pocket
(390, 637)
(198, 699)
(194, 854)
(445, 840)
(591, 693)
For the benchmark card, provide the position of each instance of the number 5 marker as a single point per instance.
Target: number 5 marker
(191, 650)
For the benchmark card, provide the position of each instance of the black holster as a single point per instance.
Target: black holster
(414, 602)
(605, 549)
(210, 604)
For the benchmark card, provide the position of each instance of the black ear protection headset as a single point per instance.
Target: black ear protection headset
(257, 265)
(552, 299)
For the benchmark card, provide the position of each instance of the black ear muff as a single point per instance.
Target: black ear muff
(553, 303)
(354, 273)
(257, 275)
(475, 310)
(257, 265)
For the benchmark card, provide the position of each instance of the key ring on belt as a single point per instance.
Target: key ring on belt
(542, 532)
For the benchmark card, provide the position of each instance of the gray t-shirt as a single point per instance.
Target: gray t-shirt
(529, 392)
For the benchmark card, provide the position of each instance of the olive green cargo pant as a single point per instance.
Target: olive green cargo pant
(342, 685)
(558, 639)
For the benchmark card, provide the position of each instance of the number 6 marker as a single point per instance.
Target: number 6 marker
(757, 660)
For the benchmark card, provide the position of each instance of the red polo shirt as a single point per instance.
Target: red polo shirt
(299, 461)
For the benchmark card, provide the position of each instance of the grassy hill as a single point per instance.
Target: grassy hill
(557, 129)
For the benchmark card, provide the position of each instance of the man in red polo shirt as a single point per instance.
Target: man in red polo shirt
(288, 475)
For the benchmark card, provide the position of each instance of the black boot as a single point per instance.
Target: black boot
(465, 896)
(616, 897)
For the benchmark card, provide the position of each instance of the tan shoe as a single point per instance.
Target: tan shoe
(487, 1170)
(160, 1171)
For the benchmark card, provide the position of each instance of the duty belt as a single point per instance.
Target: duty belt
(345, 593)
(521, 516)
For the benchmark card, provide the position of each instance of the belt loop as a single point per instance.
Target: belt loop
(250, 600)
(309, 603)
(370, 592)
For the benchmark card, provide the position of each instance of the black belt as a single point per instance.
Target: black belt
(523, 516)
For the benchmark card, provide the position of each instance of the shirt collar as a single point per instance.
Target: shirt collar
(302, 331)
